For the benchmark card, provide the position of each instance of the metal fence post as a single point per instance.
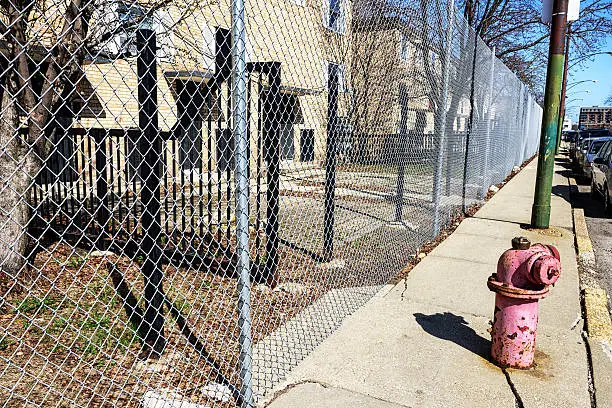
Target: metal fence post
(523, 135)
(516, 136)
(470, 125)
(521, 116)
(272, 155)
(485, 167)
(526, 144)
(441, 119)
(150, 193)
(520, 128)
(402, 149)
(330, 164)
(239, 102)
(448, 153)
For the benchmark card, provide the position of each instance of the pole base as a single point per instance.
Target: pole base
(540, 216)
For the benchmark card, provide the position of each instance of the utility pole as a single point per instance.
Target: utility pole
(563, 88)
(540, 213)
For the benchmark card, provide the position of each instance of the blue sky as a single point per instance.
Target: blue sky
(600, 68)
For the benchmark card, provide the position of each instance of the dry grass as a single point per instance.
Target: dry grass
(69, 342)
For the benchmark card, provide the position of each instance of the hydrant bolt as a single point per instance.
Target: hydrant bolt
(523, 276)
(520, 243)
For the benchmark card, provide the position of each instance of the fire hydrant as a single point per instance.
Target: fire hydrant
(523, 276)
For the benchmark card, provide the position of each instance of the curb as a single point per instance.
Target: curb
(595, 310)
(595, 299)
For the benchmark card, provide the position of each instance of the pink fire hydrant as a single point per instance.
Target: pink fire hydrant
(523, 276)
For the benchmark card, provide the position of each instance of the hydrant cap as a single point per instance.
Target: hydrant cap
(521, 243)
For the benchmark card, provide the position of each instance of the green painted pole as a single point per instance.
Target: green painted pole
(563, 88)
(540, 212)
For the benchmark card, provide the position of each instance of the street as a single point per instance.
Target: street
(600, 231)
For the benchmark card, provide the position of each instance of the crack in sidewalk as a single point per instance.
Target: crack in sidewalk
(291, 386)
(592, 389)
(405, 288)
(518, 401)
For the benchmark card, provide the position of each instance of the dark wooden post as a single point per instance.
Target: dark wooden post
(151, 146)
(330, 163)
(103, 211)
(271, 129)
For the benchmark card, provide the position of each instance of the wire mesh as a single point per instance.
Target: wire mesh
(195, 194)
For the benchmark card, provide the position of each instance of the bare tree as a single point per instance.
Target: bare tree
(520, 39)
(375, 78)
(43, 46)
(376, 74)
(32, 106)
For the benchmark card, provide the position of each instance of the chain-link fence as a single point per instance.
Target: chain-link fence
(196, 193)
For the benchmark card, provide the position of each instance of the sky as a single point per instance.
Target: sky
(600, 69)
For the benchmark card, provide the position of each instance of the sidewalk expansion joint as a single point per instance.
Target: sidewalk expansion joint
(442, 306)
(454, 258)
(518, 401)
(495, 219)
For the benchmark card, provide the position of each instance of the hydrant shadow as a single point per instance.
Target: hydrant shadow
(448, 326)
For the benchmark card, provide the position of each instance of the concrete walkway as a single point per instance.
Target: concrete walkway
(424, 342)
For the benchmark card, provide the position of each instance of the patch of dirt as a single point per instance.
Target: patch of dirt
(549, 232)
(67, 339)
(66, 335)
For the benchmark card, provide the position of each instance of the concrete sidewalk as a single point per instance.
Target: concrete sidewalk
(424, 342)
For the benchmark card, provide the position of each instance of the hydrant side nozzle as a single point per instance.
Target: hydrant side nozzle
(546, 270)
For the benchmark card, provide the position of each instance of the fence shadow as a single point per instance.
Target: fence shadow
(449, 326)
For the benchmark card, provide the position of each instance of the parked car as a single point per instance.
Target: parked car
(581, 150)
(580, 136)
(573, 141)
(571, 144)
(601, 179)
(568, 135)
(589, 148)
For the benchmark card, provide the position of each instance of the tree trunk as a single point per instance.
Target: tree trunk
(18, 168)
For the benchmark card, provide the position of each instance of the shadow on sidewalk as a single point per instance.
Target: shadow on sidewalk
(562, 191)
(448, 326)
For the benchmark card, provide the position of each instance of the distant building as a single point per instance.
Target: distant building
(592, 117)
(567, 123)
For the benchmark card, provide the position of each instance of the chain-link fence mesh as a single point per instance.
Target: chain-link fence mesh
(196, 193)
